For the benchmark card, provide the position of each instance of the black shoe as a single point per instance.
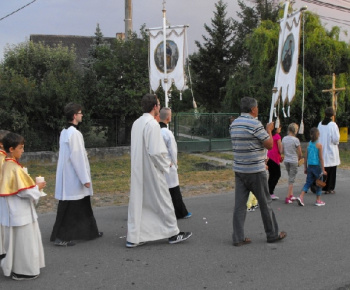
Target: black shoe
(19, 277)
(61, 243)
(2, 256)
(180, 237)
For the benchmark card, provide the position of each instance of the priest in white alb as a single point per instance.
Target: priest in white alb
(151, 213)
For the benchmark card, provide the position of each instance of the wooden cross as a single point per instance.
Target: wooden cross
(333, 90)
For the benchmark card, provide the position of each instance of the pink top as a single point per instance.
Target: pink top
(273, 153)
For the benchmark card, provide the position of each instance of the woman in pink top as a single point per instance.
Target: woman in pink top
(274, 160)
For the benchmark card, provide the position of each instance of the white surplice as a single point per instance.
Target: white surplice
(172, 177)
(73, 168)
(151, 213)
(329, 138)
(22, 237)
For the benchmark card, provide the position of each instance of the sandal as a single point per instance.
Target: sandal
(280, 237)
(246, 241)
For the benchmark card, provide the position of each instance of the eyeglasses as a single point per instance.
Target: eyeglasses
(79, 113)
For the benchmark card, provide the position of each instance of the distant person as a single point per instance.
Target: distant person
(329, 138)
(313, 167)
(291, 151)
(151, 213)
(3, 155)
(18, 196)
(274, 160)
(249, 140)
(75, 219)
(172, 177)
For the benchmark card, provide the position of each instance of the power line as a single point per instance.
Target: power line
(328, 5)
(17, 10)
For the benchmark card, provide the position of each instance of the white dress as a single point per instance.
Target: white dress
(151, 213)
(22, 237)
(329, 138)
(172, 177)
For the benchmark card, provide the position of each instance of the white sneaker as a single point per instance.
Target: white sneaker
(274, 197)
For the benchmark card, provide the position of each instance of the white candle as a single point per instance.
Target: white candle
(39, 179)
(25, 169)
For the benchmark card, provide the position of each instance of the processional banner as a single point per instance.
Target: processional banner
(175, 46)
(287, 64)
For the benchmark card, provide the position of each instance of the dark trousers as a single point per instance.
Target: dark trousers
(331, 178)
(74, 221)
(274, 174)
(179, 206)
(256, 183)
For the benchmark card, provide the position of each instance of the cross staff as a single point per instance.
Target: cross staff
(333, 90)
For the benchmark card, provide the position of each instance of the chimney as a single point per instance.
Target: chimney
(128, 18)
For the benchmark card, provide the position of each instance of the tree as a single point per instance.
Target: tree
(116, 78)
(36, 82)
(211, 64)
(324, 54)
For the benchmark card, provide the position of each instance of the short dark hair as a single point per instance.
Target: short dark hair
(12, 140)
(329, 112)
(314, 134)
(148, 102)
(247, 103)
(3, 133)
(70, 110)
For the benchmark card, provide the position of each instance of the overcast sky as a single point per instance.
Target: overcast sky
(79, 17)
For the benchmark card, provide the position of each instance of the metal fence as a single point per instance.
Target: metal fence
(197, 132)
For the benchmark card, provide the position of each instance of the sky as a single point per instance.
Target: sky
(80, 17)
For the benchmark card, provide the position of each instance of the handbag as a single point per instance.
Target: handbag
(320, 182)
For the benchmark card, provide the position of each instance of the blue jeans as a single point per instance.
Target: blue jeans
(256, 183)
(313, 172)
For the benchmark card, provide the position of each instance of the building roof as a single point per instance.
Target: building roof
(82, 44)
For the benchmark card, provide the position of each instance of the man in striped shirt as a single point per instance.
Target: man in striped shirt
(249, 140)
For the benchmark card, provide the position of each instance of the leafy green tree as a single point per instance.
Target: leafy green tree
(211, 64)
(36, 82)
(324, 54)
(116, 78)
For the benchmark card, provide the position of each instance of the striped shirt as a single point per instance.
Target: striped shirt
(247, 136)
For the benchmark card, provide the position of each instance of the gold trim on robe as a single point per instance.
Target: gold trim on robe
(14, 179)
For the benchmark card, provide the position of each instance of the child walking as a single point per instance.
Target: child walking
(313, 167)
(291, 151)
(274, 161)
(22, 237)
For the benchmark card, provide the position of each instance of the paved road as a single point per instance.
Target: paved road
(315, 255)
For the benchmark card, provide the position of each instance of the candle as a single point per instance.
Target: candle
(25, 169)
(39, 179)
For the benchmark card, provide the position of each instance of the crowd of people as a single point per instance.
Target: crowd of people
(155, 202)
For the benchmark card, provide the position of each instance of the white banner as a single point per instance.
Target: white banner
(288, 53)
(175, 51)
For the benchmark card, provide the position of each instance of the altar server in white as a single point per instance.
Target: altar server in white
(151, 213)
(172, 177)
(18, 196)
(329, 138)
(75, 219)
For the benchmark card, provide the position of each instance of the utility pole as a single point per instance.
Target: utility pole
(128, 18)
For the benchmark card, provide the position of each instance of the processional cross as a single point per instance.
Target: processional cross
(334, 92)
